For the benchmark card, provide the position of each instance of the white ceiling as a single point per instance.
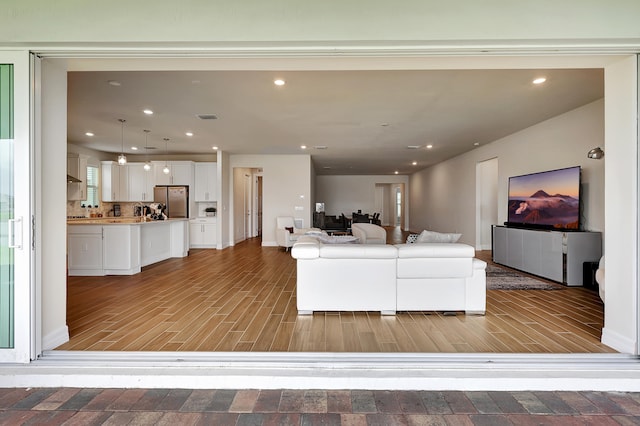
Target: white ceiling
(365, 119)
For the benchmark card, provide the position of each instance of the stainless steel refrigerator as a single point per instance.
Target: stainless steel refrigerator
(175, 198)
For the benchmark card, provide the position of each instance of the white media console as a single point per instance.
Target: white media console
(555, 255)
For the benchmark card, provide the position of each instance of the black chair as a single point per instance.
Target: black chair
(318, 220)
(361, 218)
(335, 223)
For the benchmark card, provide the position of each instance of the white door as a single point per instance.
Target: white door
(17, 334)
(247, 207)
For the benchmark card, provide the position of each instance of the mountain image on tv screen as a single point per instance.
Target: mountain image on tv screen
(548, 199)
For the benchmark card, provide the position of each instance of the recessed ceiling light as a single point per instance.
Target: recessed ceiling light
(303, 147)
(134, 148)
(415, 163)
(278, 82)
(89, 134)
(539, 80)
(189, 133)
(429, 146)
(396, 172)
(147, 111)
(215, 148)
(476, 144)
(114, 83)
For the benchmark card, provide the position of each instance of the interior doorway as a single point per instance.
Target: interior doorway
(486, 201)
(398, 209)
(257, 201)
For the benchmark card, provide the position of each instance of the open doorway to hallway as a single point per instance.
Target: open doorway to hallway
(486, 201)
(247, 202)
(390, 202)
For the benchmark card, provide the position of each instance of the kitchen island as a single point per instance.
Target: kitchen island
(122, 245)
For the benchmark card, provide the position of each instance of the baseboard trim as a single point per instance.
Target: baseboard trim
(618, 342)
(56, 338)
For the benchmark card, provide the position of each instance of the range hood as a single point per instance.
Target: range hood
(71, 179)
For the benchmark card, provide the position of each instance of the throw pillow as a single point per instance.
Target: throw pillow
(289, 228)
(437, 237)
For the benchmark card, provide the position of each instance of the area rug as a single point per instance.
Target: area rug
(509, 279)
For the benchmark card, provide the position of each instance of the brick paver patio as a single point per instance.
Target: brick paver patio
(70, 406)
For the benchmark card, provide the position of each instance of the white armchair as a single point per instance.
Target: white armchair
(287, 233)
(368, 233)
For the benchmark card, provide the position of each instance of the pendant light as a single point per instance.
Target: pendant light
(147, 163)
(166, 170)
(122, 159)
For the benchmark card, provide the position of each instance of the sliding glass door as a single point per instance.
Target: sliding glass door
(15, 246)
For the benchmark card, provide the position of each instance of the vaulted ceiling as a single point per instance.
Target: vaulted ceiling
(351, 122)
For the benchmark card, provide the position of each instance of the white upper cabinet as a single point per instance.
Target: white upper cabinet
(180, 173)
(206, 182)
(141, 183)
(115, 181)
(77, 167)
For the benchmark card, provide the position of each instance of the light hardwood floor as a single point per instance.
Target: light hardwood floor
(243, 299)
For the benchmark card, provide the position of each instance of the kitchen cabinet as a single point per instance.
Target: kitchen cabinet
(180, 173)
(115, 181)
(202, 233)
(121, 249)
(84, 250)
(140, 183)
(206, 180)
(100, 247)
(77, 167)
(96, 250)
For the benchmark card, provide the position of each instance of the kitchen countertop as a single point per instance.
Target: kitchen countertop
(127, 220)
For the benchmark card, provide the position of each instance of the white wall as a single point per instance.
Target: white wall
(53, 203)
(286, 189)
(333, 20)
(621, 245)
(224, 199)
(347, 194)
(443, 197)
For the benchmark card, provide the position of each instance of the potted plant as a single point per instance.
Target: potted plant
(210, 211)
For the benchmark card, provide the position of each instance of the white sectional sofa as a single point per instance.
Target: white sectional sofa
(388, 278)
(440, 277)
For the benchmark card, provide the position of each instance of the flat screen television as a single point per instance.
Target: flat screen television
(546, 200)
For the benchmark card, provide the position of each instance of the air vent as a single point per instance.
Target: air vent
(207, 116)
(151, 147)
(413, 147)
(320, 147)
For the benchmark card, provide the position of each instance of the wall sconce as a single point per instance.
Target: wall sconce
(595, 153)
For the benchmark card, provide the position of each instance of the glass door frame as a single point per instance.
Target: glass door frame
(24, 327)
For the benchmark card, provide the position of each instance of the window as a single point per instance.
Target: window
(92, 186)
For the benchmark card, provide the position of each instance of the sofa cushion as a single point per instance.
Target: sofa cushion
(358, 251)
(306, 248)
(437, 237)
(435, 260)
(435, 250)
(434, 267)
